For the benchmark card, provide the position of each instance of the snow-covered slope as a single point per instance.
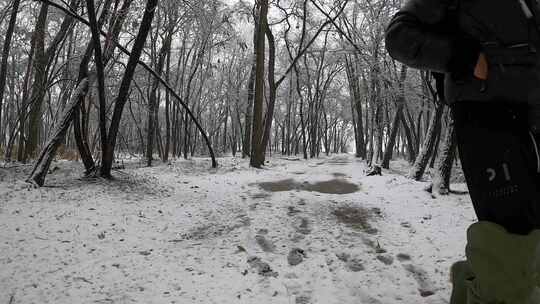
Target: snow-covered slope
(184, 233)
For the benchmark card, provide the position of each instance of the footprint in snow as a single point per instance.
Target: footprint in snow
(302, 300)
(262, 268)
(303, 226)
(264, 243)
(292, 210)
(425, 285)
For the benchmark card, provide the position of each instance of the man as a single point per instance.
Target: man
(489, 51)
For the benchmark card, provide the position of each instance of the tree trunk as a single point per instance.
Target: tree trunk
(441, 181)
(167, 113)
(409, 136)
(80, 117)
(272, 88)
(153, 103)
(38, 87)
(99, 64)
(257, 149)
(43, 163)
(396, 121)
(246, 147)
(5, 57)
(356, 107)
(123, 92)
(24, 100)
(417, 171)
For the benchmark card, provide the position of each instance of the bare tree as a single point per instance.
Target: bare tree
(5, 57)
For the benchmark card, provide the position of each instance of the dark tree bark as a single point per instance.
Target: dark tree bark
(246, 147)
(153, 103)
(80, 114)
(98, 59)
(167, 112)
(272, 89)
(376, 102)
(123, 92)
(24, 100)
(356, 107)
(5, 57)
(38, 87)
(257, 152)
(301, 114)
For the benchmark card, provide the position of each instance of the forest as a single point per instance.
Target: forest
(106, 103)
(171, 79)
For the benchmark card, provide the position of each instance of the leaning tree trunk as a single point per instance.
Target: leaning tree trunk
(441, 181)
(417, 171)
(43, 163)
(123, 92)
(125, 84)
(43, 61)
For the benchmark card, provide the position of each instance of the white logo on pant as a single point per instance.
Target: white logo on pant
(493, 173)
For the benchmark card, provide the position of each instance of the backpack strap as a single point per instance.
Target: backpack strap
(451, 17)
(532, 13)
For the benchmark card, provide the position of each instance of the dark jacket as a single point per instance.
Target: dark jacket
(448, 35)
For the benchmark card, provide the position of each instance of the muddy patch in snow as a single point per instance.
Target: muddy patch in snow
(357, 218)
(335, 186)
(280, 186)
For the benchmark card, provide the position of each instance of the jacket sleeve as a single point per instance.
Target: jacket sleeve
(415, 37)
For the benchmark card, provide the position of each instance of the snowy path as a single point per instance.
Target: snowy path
(172, 234)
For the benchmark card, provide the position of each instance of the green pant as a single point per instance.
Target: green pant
(501, 268)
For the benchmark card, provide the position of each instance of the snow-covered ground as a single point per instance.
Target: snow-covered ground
(184, 233)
